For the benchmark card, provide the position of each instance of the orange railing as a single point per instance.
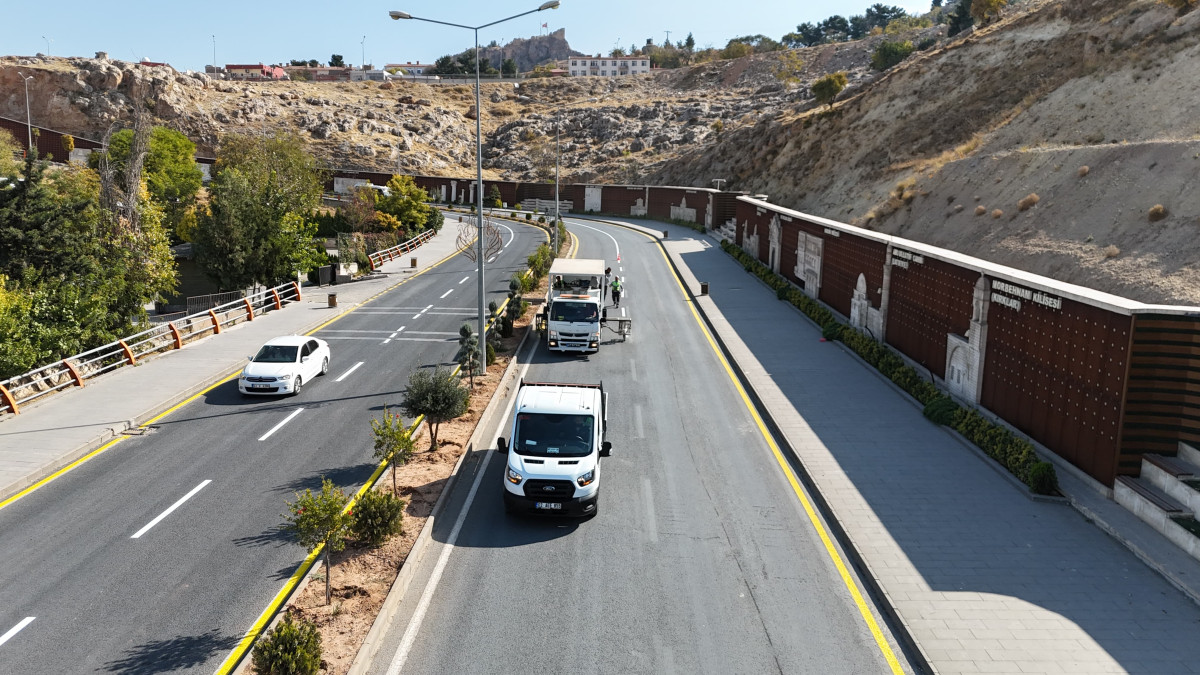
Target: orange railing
(387, 254)
(74, 371)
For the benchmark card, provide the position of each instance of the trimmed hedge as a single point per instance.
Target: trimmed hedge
(1015, 454)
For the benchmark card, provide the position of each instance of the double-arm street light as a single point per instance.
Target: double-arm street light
(478, 157)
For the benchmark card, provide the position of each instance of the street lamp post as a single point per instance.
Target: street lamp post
(553, 4)
(28, 117)
(557, 153)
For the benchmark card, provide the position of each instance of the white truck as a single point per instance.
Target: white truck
(557, 441)
(574, 305)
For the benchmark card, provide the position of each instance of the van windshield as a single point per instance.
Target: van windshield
(548, 435)
(565, 310)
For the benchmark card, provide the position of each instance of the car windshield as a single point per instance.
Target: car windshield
(276, 354)
(565, 310)
(547, 435)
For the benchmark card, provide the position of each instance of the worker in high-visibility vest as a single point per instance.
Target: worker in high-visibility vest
(616, 291)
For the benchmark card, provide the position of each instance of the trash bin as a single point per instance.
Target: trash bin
(412, 262)
(333, 299)
(703, 288)
(664, 234)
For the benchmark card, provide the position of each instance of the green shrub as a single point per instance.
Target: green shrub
(826, 89)
(542, 219)
(832, 331)
(942, 410)
(1042, 478)
(888, 54)
(926, 44)
(377, 516)
(289, 649)
(529, 216)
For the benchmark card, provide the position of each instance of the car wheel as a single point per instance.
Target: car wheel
(325, 365)
(299, 383)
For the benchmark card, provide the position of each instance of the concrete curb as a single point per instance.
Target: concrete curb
(916, 655)
(383, 621)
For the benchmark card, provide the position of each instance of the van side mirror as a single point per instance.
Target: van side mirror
(605, 448)
(502, 445)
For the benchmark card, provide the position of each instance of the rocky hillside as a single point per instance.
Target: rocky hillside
(1087, 104)
(530, 52)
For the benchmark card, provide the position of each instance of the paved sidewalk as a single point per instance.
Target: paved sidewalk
(983, 577)
(54, 432)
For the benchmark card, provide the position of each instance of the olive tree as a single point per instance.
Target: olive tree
(437, 395)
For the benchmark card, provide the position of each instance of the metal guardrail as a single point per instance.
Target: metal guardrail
(380, 257)
(73, 371)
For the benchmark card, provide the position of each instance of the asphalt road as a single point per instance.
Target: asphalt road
(179, 596)
(701, 558)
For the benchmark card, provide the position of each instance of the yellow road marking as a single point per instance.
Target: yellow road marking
(859, 601)
(73, 465)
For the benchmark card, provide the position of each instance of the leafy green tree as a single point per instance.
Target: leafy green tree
(10, 166)
(468, 351)
(313, 63)
(437, 395)
(394, 443)
(689, 44)
(466, 61)
(736, 50)
(494, 199)
(984, 11)
(888, 54)
(406, 201)
(320, 520)
(170, 170)
(859, 27)
(961, 18)
(880, 15)
(827, 88)
(508, 67)
(445, 65)
(289, 649)
(335, 61)
(834, 29)
(256, 230)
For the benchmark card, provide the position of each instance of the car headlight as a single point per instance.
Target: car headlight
(586, 479)
(514, 477)
(284, 378)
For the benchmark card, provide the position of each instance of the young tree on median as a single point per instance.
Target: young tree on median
(394, 443)
(437, 395)
(320, 519)
(468, 351)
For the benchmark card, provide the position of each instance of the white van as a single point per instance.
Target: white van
(557, 441)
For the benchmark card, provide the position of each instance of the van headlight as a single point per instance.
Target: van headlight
(514, 477)
(586, 479)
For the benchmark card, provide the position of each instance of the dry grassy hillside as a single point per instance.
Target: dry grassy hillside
(1087, 104)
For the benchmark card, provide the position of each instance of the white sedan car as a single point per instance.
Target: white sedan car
(284, 364)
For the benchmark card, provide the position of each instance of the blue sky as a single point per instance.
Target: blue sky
(249, 32)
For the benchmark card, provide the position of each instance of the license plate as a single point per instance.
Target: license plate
(552, 506)
(260, 386)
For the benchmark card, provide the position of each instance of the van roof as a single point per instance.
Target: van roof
(558, 399)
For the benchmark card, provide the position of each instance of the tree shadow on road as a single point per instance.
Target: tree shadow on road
(178, 653)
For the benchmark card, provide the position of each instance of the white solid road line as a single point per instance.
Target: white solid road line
(277, 427)
(445, 294)
(414, 624)
(347, 373)
(166, 513)
(16, 629)
(463, 279)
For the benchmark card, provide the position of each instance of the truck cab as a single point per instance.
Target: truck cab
(573, 305)
(553, 462)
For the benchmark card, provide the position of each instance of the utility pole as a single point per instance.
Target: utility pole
(214, 53)
(28, 118)
(668, 38)
(363, 64)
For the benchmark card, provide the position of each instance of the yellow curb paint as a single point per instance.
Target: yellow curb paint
(859, 601)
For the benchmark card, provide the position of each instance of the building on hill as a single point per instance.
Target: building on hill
(320, 73)
(153, 64)
(409, 68)
(254, 72)
(606, 66)
(371, 75)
